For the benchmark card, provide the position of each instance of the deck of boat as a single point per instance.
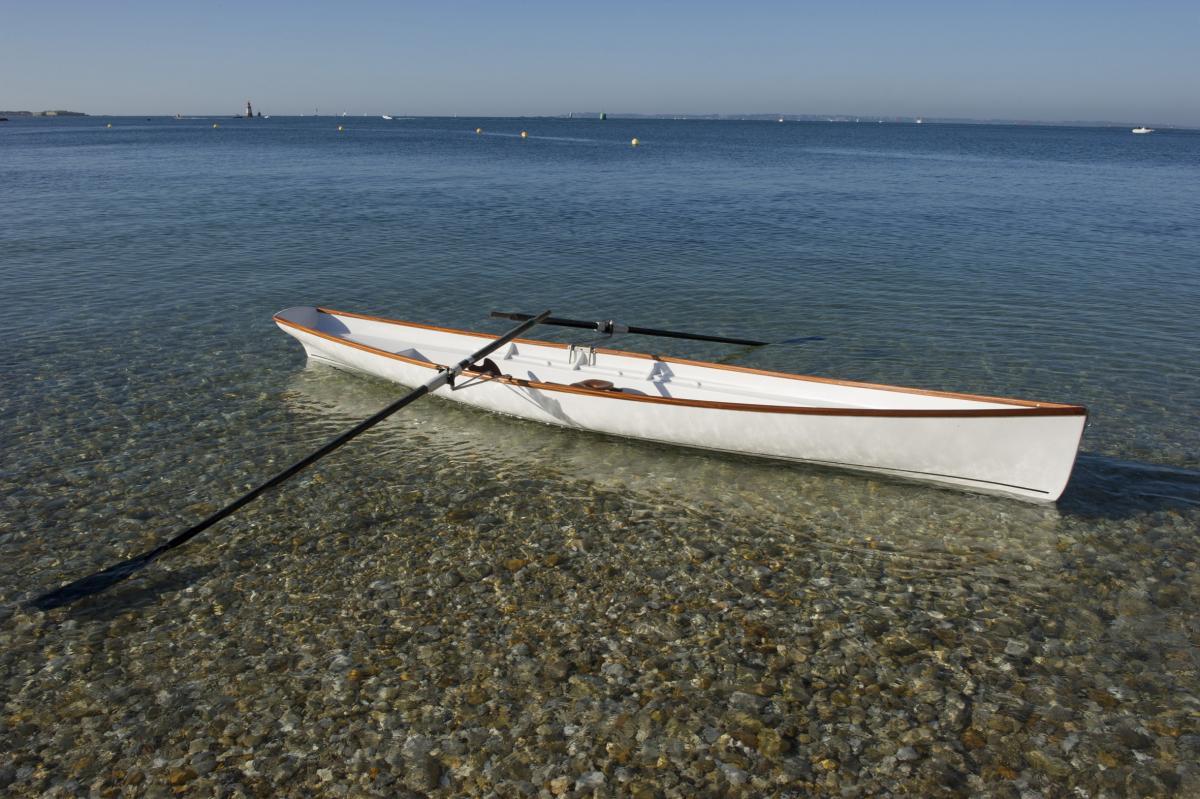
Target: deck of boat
(556, 365)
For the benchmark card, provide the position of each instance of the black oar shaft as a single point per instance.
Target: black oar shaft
(613, 327)
(297, 467)
(99, 581)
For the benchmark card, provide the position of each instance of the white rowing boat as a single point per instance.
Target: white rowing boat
(989, 444)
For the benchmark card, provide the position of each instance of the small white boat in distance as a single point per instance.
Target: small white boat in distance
(994, 445)
(385, 116)
(1143, 129)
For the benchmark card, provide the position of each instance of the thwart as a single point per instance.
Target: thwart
(994, 445)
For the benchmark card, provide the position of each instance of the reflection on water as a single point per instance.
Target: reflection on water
(907, 516)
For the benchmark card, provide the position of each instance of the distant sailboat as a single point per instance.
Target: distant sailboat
(1143, 129)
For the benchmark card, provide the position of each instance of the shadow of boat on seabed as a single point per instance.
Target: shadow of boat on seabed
(1104, 487)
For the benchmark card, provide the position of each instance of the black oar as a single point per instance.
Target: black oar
(95, 583)
(609, 327)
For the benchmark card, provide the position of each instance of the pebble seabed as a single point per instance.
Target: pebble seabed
(471, 627)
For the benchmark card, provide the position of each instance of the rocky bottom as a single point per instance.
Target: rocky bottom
(473, 629)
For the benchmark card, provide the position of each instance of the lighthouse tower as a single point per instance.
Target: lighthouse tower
(249, 113)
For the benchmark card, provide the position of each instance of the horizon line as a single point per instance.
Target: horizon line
(663, 116)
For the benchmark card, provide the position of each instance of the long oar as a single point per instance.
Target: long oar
(609, 327)
(95, 583)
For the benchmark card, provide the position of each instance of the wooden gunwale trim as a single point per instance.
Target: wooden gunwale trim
(1024, 409)
(731, 368)
(951, 413)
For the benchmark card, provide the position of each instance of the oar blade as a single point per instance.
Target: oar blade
(92, 584)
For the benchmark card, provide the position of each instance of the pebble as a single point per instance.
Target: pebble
(1130, 736)
(182, 776)
(203, 763)
(591, 779)
(1017, 648)
(423, 773)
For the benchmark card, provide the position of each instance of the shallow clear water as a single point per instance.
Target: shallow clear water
(145, 383)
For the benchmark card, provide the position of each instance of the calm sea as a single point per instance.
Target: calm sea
(1042, 262)
(143, 379)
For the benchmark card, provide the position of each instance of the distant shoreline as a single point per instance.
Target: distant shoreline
(42, 114)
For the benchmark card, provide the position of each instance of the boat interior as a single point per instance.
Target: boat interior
(604, 370)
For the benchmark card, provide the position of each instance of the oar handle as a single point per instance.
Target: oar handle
(609, 327)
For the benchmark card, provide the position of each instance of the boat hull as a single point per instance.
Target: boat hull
(1026, 452)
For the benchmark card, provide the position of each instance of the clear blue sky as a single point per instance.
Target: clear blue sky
(1103, 60)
